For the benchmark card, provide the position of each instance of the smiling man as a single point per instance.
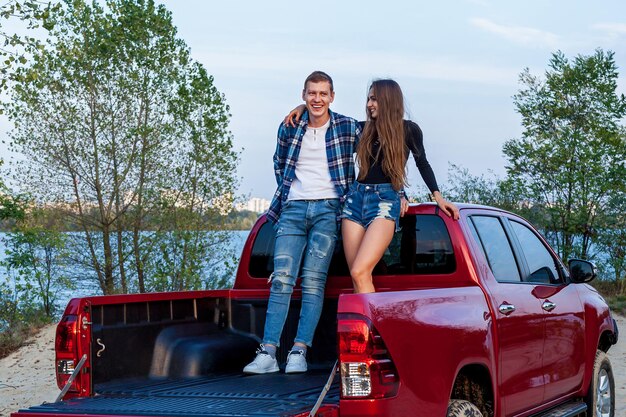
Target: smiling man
(314, 167)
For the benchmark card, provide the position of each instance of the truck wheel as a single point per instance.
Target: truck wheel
(462, 408)
(600, 398)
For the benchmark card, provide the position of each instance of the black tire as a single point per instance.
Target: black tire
(462, 408)
(600, 398)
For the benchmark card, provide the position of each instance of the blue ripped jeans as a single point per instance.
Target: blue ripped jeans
(305, 235)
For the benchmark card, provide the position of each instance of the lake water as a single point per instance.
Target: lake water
(88, 287)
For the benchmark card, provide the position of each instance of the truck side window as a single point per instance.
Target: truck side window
(262, 255)
(423, 246)
(497, 248)
(540, 262)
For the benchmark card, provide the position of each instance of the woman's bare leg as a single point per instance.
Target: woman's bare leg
(352, 234)
(374, 242)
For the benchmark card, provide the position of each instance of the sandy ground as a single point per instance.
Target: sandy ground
(27, 376)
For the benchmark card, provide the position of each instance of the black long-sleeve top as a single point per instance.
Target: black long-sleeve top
(415, 143)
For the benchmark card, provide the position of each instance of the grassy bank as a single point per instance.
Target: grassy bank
(13, 338)
(613, 294)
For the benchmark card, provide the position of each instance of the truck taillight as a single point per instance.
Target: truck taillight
(367, 370)
(66, 346)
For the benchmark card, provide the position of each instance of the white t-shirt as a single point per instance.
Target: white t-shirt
(313, 181)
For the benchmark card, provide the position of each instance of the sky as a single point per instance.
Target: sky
(458, 63)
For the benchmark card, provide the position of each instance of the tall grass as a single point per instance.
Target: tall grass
(613, 293)
(13, 338)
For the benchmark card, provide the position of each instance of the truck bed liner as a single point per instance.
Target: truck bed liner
(208, 396)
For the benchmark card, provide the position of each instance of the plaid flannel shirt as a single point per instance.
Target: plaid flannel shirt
(341, 139)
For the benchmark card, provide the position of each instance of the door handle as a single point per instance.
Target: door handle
(548, 305)
(506, 308)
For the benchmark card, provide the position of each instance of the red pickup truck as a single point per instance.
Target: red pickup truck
(472, 317)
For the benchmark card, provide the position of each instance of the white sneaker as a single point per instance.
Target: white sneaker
(262, 364)
(296, 362)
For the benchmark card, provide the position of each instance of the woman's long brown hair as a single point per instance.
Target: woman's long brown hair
(388, 128)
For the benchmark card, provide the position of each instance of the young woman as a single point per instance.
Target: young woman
(375, 201)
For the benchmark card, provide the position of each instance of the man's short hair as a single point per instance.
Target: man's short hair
(319, 76)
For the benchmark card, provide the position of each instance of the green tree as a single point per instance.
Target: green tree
(611, 241)
(491, 190)
(11, 210)
(483, 189)
(11, 205)
(36, 261)
(13, 47)
(32, 271)
(571, 156)
(122, 129)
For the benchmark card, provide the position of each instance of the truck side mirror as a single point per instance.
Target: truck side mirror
(581, 271)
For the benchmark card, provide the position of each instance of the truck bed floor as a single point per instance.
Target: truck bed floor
(210, 396)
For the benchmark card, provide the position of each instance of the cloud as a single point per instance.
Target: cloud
(612, 30)
(244, 62)
(440, 68)
(520, 35)
(479, 2)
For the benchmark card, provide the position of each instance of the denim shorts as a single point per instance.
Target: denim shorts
(367, 202)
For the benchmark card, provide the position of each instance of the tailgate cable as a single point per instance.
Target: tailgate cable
(325, 390)
(72, 378)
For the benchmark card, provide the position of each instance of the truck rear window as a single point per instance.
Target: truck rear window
(423, 246)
